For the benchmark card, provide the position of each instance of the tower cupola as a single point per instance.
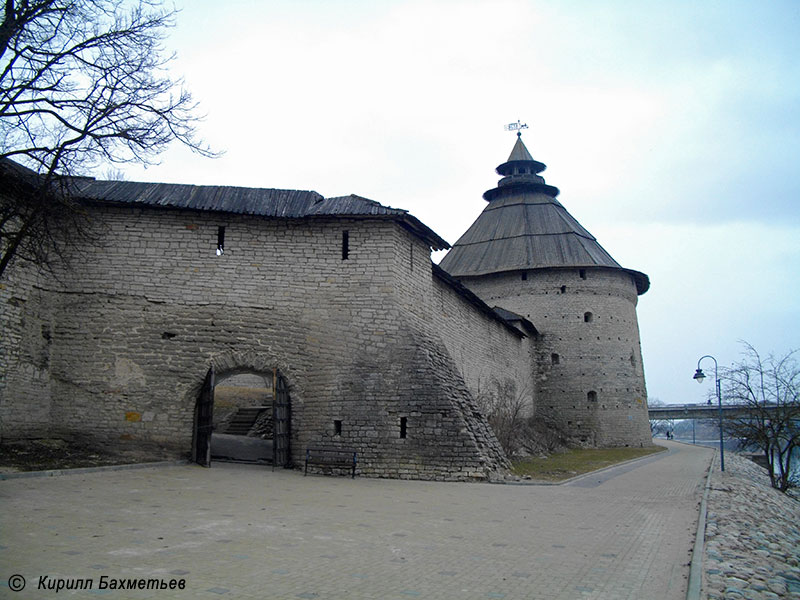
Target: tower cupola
(520, 173)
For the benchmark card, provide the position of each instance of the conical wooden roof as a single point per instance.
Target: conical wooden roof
(524, 227)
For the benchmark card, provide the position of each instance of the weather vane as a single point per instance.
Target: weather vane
(518, 127)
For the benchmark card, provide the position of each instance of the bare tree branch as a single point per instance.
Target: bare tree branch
(770, 388)
(515, 422)
(83, 84)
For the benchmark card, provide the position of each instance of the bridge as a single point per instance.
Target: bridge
(701, 411)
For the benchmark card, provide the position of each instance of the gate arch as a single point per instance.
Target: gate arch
(227, 365)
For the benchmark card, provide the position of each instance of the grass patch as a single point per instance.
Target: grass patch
(558, 467)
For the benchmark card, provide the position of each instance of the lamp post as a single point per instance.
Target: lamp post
(700, 376)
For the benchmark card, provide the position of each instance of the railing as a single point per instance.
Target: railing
(701, 411)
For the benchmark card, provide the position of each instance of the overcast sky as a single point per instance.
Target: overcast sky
(671, 128)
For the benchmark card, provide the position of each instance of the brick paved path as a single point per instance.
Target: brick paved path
(239, 531)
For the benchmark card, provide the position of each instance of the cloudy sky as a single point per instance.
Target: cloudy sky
(671, 128)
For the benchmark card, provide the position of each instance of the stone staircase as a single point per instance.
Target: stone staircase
(244, 419)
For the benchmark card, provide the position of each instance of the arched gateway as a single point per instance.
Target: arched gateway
(281, 420)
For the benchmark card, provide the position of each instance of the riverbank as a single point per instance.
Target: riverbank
(752, 539)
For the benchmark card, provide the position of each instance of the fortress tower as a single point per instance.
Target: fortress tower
(525, 253)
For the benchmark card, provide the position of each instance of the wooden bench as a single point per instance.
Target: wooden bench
(332, 457)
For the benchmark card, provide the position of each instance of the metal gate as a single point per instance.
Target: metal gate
(204, 419)
(281, 417)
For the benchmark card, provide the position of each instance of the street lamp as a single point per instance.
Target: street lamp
(700, 376)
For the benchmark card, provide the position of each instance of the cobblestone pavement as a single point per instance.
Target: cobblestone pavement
(236, 531)
(752, 536)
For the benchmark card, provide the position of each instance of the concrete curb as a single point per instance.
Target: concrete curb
(695, 584)
(82, 470)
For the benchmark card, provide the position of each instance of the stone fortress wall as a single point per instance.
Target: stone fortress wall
(26, 332)
(381, 350)
(479, 343)
(118, 347)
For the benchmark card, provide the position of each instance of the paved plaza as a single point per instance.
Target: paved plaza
(241, 531)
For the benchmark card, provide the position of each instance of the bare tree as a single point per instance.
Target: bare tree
(658, 425)
(506, 410)
(544, 434)
(770, 388)
(517, 425)
(82, 83)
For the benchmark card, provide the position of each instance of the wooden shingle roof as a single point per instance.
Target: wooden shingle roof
(262, 202)
(524, 227)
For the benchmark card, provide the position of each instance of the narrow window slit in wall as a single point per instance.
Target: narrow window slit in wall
(220, 240)
(592, 396)
(563, 289)
(403, 427)
(555, 358)
(337, 427)
(587, 317)
(582, 273)
(524, 276)
(345, 245)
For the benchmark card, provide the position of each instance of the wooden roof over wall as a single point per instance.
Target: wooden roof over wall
(262, 202)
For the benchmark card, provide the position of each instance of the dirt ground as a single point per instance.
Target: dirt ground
(47, 454)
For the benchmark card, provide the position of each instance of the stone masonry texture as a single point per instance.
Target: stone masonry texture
(379, 353)
(118, 346)
(589, 371)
